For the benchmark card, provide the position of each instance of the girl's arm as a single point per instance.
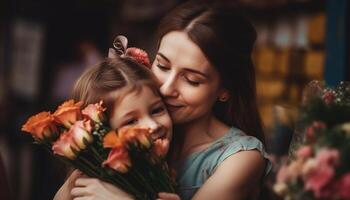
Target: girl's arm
(95, 189)
(237, 177)
(64, 192)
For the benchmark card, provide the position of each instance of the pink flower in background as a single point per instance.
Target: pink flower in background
(309, 165)
(311, 131)
(319, 125)
(282, 174)
(343, 186)
(304, 152)
(328, 97)
(295, 169)
(318, 178)
(328, 156)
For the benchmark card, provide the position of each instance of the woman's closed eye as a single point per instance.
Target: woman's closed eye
(192, 82)
(163, 67)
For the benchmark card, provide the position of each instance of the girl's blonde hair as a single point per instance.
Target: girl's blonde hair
(105, 81)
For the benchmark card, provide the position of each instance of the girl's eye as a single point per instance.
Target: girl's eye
(162, 67)
(158, 110)
(130, 122)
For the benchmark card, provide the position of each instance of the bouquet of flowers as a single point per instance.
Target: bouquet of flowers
(320, 167)
(127, 158)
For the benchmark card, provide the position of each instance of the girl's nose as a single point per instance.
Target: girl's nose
(156, 129)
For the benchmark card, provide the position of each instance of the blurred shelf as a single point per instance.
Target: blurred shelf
(266, 10)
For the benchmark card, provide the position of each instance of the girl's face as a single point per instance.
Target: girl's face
(189, 84)
(143, 109)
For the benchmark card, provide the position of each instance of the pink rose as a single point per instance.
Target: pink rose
(327, 156)
(282, 174)
(328, 97)
(343, 186)
(304, 152)
(311, 131)
(318, 178)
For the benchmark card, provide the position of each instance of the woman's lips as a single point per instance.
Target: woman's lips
(173, 107)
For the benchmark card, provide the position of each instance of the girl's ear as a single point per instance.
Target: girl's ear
(112, 53)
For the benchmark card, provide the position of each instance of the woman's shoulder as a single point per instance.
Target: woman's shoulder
(238, 145)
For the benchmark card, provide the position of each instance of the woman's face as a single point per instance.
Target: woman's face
(142, 109)
(189, 84)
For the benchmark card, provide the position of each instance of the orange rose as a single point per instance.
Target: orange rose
(111, 140)
(81, 133)
(41, 126)
(65, 146)
(95, 112)
(136, 135)
(68, 113)
(118, 159)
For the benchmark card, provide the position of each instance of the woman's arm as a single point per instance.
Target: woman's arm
(95, 189)
(237, 177)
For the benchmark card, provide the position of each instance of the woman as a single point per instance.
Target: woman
(208, 83)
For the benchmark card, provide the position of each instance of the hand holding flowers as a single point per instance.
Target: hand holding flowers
(127, 158)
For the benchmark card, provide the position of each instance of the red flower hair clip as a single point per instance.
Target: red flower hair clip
(120, 47)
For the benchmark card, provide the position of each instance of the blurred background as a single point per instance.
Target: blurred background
(45, 46)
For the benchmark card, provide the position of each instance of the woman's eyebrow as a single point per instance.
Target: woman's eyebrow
(164, 57)
(196, 72)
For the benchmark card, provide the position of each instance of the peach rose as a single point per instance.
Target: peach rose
(68, 113)
(65, 146)
(95, 112)
(81, 133)
(118, 159)
(160, 147)
(41, 126)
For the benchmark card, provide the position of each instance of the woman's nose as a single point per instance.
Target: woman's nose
(168, 88)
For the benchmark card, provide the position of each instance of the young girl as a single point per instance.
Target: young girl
(130, 93)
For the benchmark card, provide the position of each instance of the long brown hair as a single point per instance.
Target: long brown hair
(105, 80)
(226, 39)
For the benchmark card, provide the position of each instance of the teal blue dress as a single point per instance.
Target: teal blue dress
(199, 166)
